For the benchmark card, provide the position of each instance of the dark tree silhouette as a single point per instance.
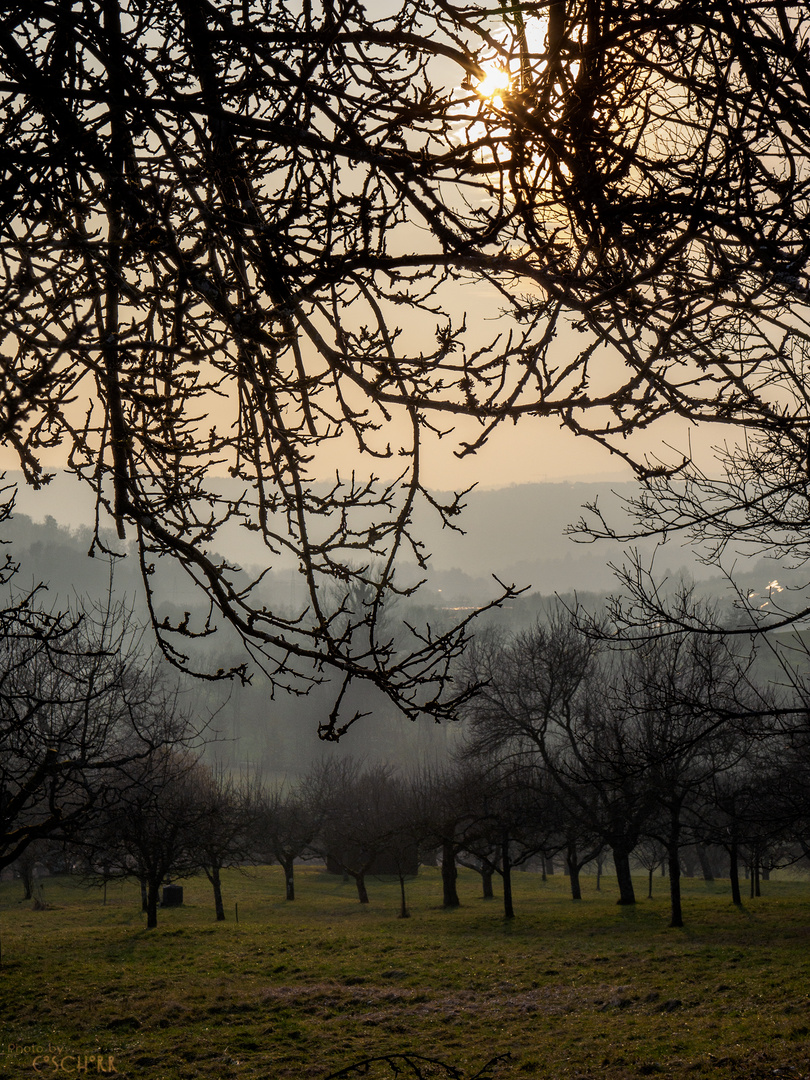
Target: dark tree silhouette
(626, 731)
(202, 273)
(363, 816)
(676, 702)
(287, 827)
(79, 702)
(452, 816)
(151, 830)
(228, 809)
(231, 238)
(517, 819)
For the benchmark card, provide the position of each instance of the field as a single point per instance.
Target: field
(304, 989)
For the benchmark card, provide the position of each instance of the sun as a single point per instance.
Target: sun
(500, 84)
(496, 82)
(516, 55)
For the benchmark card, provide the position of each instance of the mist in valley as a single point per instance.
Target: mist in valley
(515, 533)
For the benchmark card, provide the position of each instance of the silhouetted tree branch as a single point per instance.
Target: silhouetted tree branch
(233, 237)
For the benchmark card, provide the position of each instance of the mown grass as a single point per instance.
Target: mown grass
(302, 989)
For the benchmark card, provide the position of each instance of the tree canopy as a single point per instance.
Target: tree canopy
(235, 235)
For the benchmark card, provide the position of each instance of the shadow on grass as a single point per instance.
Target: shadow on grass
(417, 1066)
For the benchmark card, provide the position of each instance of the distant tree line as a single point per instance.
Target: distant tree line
(366, 822)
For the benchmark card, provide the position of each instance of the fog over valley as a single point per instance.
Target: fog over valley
(516, 533)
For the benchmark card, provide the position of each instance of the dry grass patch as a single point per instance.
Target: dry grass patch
(302, 989)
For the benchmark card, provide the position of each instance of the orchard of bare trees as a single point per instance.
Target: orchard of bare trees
(305, 247)
(577, 751)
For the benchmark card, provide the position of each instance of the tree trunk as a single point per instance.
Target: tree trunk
(487, 875)
(216, 883)
(362, 892)
(598, 875)
(506, 870)
(449, 874)
(734, 874)
(705, 864)
(289, 878)
(649, 886)
(403, 907)
(573, 871)
(144, 895)
(675, 883)
(621, 860)
(27, 875)
(152, 904)
(674, 863)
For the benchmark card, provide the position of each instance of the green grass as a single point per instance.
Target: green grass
(301, 989)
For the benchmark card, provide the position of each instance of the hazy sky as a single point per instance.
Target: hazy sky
(534, 451)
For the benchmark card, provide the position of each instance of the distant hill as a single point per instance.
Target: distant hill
(515, 532)
(518, 533)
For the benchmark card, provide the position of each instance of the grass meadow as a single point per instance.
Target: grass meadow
(306, 988)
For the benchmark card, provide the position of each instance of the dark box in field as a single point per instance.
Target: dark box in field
(172, 896)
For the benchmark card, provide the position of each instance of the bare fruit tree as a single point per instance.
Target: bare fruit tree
(634, 734)
(80, 703)
(205, 276)
(235, 235)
